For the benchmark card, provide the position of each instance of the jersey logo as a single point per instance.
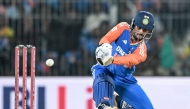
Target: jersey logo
(124, 41)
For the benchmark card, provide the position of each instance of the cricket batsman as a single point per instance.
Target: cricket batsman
(119, 51)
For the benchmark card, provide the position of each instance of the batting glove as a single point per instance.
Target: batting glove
(104, 54)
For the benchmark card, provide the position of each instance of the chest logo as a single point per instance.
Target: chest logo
(124, 41)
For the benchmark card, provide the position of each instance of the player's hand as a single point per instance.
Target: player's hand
(104, 54)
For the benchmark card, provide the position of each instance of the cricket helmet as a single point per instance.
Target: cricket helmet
(144, 20)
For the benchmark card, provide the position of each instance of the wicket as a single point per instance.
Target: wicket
(24, 77)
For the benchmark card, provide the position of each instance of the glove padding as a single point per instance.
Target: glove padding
(103, 54)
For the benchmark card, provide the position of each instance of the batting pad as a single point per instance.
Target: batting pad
(103, 90)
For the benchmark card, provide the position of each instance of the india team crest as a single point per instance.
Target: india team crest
(145, 20)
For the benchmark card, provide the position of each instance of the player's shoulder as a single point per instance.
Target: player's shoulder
(123, 25)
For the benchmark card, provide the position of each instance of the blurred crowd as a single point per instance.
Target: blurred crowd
(68, 31)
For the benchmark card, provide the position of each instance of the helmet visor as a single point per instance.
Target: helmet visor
(148, 36)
